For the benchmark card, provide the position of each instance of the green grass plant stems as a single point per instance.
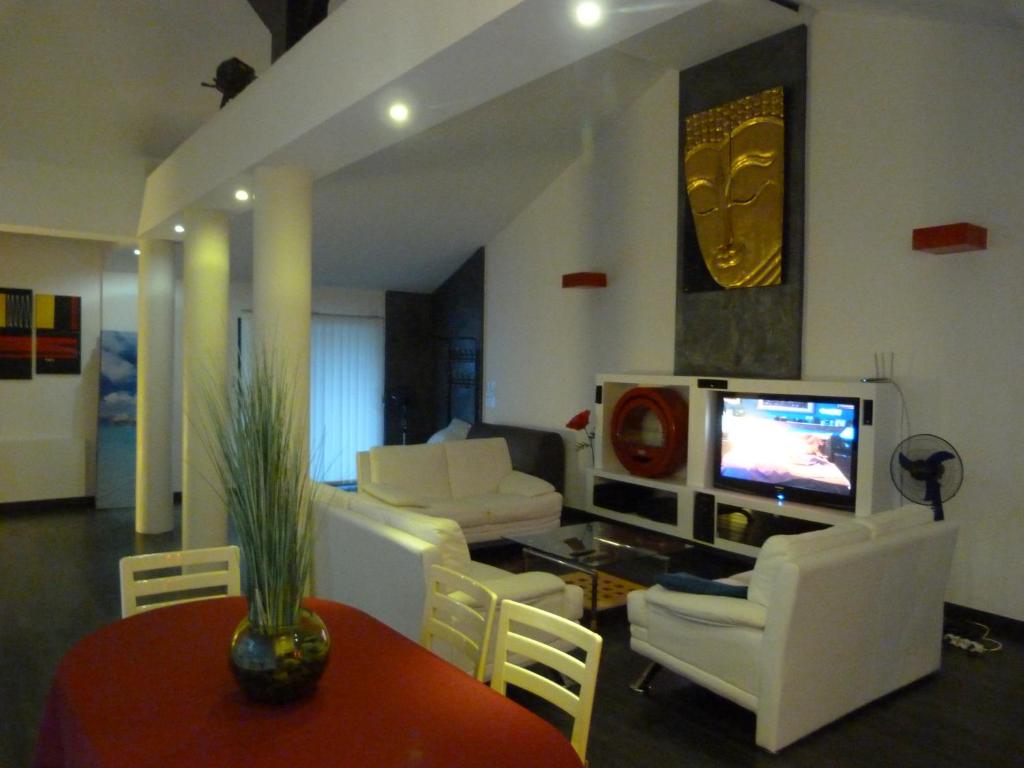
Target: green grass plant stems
(268, 491)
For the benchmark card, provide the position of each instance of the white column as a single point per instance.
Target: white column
(204, 375)
(282, 277)
(154, 503)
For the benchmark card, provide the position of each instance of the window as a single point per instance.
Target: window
(346, 392)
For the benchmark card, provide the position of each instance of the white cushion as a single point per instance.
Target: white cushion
(504, 507)
(419, 469)
(392, 494)
(778, 550)
(442, 532)
(541, 590)
(708, 609)
(476, 466)
(457, 429)
(522, 484)
(894, 520)
(466, 512)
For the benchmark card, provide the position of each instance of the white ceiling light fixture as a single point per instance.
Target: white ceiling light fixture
(589, 13)
(399, 112)
(179, 229)
(242, 195)
(137, 252)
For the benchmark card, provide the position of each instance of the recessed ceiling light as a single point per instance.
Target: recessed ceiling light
(137, 252)
(178, 228)
(399, 112)
(241, 195)
(589, 13)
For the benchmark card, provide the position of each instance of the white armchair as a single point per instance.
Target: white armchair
(832, 620)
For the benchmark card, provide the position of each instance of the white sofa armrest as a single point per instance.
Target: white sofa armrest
(378, 569)
(708, 609)
(522, 484)
(393, 495)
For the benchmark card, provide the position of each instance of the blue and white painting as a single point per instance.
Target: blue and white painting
(115, 439)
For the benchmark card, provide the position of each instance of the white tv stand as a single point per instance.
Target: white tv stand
(686, 504)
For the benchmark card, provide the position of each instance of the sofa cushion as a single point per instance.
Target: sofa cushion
(502, 508)
(522, 484)
(894, 520)
(466, 512)
(419, 469)
(541, 590)
(704, 609)
(476, 466)
(442, 532)
(457, 429)
(393, 495)
(778, 550)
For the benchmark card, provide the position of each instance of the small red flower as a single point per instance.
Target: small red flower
(579, 421)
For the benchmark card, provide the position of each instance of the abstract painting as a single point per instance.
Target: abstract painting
(58, 334)
(15, 333)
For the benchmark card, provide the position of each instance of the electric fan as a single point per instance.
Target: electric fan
(927, 470)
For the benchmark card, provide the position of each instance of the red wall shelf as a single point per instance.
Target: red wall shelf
(951, 238)
(584, 280)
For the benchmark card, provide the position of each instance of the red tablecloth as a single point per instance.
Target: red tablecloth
(156, 690)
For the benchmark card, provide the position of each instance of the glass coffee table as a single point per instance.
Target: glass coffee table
(606, 559)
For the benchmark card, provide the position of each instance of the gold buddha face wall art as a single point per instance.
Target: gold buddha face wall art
(733, 162)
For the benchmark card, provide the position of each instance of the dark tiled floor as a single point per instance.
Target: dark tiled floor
(58, 582)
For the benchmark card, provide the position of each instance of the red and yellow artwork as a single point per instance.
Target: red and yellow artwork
(15, 333)
(58, 334)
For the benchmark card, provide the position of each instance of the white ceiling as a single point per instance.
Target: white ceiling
(116, 83)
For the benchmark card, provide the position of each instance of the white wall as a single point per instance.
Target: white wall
(612, 211)
(910, 124)
(915, 125)
(48, 422)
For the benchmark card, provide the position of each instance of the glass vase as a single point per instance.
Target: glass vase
(281, 665)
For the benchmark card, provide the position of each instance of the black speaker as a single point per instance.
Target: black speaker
(704, 517)
(597, 394)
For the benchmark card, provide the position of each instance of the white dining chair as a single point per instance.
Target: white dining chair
(526, 649)
(167, 578)
(458, 617)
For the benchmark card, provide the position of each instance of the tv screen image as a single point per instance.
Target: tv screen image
(801, 448)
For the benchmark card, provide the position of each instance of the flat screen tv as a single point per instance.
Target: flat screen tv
(799, 448)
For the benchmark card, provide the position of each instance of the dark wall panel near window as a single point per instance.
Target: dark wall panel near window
(433, 354)
(458, 320)
(408, 368)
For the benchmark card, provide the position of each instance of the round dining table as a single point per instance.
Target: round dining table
(155, 689)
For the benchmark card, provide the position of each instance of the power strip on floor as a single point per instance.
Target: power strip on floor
(973, 647)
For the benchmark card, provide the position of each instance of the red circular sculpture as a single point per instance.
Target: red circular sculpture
(642, 449)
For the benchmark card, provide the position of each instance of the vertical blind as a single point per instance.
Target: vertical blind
(346, 392)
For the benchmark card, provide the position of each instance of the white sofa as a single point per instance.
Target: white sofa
(469, 481)
(376, 558)
(833, 619)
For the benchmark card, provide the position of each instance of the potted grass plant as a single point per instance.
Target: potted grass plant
(280, 649)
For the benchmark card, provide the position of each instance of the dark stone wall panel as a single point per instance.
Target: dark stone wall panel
(755, 332)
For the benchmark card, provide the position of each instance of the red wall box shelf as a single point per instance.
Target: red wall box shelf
(951, 238)
(585, 280)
